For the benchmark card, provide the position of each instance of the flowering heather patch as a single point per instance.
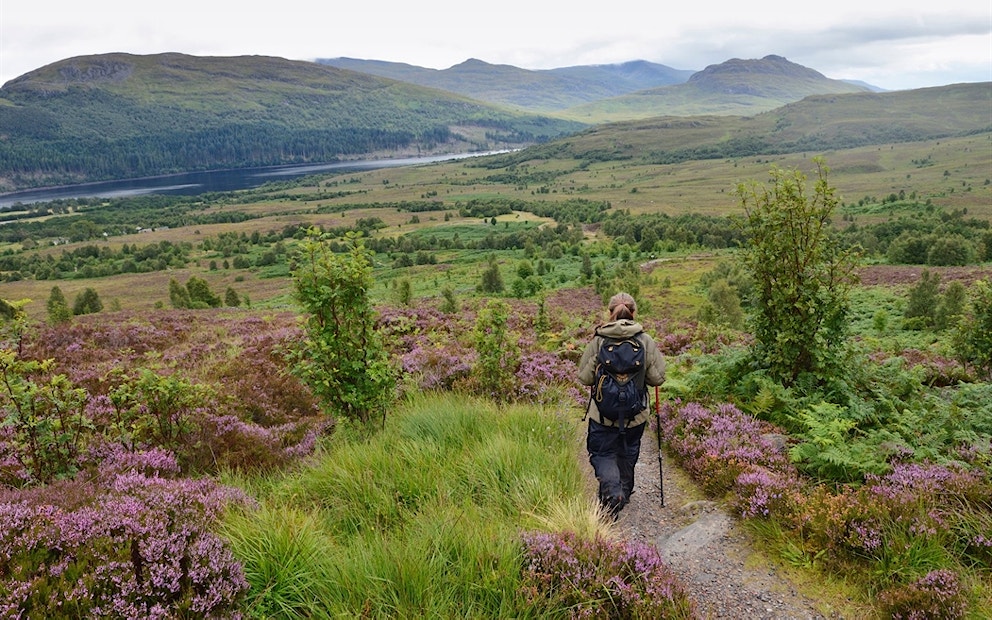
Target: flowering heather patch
(717, 445)
(928, 500)
(90, 346)
(762, 492)
(434, 354)
(677, 338)
(601, 579)
(256, 384)
(438, 366)
(252, 413)
(935, 596)
(136, 546)
(877, 525)
(898, 275)
(915, 506)
(583, 303)
(403, 328)
(540, 372)
(230, 442)
(928, 480)
(106, 459)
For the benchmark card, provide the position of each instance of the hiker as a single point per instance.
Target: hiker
(614, 444)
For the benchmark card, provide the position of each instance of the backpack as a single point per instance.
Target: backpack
(619, 390)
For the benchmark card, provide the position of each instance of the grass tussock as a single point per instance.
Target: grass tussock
(422, 520)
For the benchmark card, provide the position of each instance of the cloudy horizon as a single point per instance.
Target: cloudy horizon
(910, 45)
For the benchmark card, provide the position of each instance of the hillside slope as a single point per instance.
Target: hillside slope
(537, 91)
(816, 124)
(735, 87)
(121, 115)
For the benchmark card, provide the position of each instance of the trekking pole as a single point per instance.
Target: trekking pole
(661, 471)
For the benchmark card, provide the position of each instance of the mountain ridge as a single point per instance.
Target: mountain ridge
(546, 91)
(733, 87)
(595, 94)
(115, 116)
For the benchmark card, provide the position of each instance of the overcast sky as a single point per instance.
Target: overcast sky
(893, 45)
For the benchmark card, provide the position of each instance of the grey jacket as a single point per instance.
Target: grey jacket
(654, 372)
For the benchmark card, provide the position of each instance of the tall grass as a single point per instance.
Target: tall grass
(422, 520)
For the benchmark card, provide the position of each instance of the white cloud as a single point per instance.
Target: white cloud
(914, 43)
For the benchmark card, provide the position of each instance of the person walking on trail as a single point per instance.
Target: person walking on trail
(618, 364)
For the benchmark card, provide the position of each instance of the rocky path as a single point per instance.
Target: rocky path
(706, 547)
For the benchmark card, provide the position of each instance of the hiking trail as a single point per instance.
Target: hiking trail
(705, 546)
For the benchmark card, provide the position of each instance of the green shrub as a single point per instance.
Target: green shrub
(87, 302)
(47, 426)
(58, 307)
(951, 250)
(498, 354)
(921, 308)
(802, 276)
(973, 339)
(200, 294)
(341, 357)
(152, 410)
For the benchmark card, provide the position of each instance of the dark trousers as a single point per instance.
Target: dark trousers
(613, 455)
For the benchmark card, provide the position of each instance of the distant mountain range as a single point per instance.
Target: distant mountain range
(551, 90)
(114, 116)
(607, 93)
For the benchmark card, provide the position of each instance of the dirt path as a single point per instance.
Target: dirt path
(705, 546)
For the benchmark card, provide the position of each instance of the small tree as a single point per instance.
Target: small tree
(921, 308)
(231, 298)
(492, 280)
(498, 355)
(200, 295)
(87, 302)
(42, 413)
(46, 424)
(178, 295)
(801, 275)
(58, 307)
(404, 292)
(973, 339)
(724, 307)
(951, 305)
(450, 303)
(586, 270)
(341, 356)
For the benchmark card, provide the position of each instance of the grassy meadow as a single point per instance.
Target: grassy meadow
(952, 174)
(461, 506)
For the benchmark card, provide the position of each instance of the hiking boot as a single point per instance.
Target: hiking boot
(613, 506)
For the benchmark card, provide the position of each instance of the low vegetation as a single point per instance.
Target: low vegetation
(175, 445)
(446, 512)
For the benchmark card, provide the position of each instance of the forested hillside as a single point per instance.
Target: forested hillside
(122, 116)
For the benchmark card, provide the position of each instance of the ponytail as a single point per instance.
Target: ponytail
(622, 306)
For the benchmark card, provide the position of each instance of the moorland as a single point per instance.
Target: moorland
(171, 445)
